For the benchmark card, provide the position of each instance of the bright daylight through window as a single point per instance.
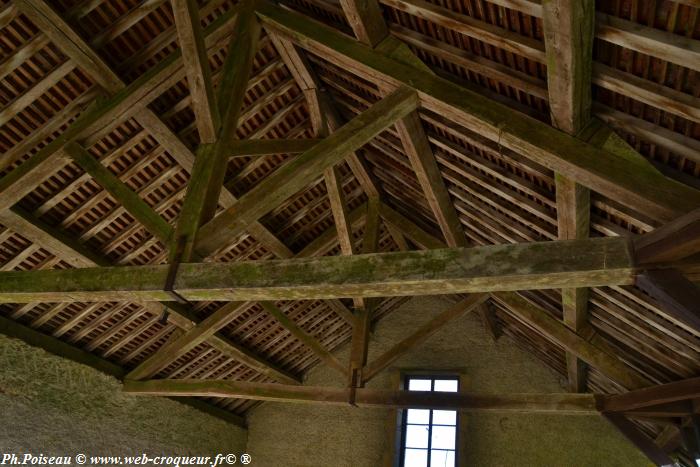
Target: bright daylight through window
(429, 436)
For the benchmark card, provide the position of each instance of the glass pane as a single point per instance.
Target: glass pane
(417, 436)
(442, 458)
(443, 437)
(418, 416)
(446, 385)
(415, 458)
(444, 417)
(419, 384)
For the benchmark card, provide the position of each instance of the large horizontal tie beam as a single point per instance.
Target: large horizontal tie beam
(538, 265)
(298, 172)
(595, 168)
(573, 404)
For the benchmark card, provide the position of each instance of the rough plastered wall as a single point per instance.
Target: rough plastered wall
(296, 435)
(54, 406)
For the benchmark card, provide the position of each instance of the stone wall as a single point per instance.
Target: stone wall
(295, 435)
(54, 406)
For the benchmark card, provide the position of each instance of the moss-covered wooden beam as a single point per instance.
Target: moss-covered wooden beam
(569, 404)
(295, 174)
(79, 255)
(421, 334)
(207, 328)
(537, 265)
(131, 201)
(591, 349)
(643, 189)
(687, 389)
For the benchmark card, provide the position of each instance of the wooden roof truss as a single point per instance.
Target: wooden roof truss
(202, 278)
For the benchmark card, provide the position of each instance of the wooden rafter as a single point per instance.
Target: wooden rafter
(36, 170)
(678, 296)
(311, 342)
(131, 201)
(194, 54)
(639, 439)
(266, 147)
(673, 241)
(321, 107)
(572, 342)
(365, 17)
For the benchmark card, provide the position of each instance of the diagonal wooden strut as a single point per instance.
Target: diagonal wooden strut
(422, 334)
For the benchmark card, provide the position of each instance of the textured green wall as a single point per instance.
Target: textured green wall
(311, 436)
(54, 406)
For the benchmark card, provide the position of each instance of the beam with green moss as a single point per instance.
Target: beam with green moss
(538, 265)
